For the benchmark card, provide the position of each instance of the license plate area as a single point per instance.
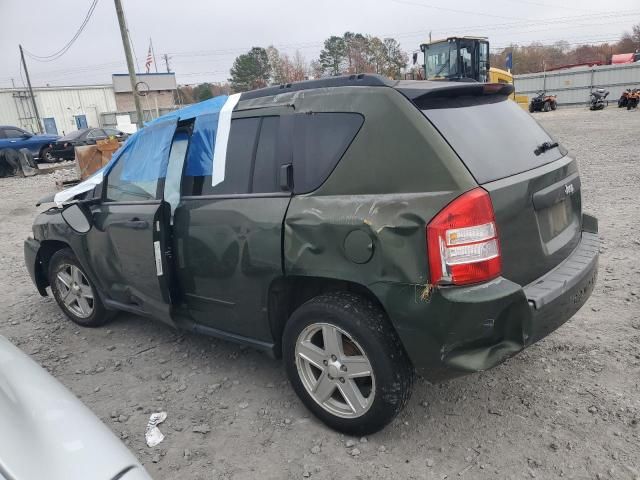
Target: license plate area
(555, 219)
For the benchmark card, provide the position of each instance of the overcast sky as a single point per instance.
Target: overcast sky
(202, 37)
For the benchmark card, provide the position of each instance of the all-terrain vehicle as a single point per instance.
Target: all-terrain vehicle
(356, 227)
(598, 99)
(633, 98)
(624, 98)
(543, 102)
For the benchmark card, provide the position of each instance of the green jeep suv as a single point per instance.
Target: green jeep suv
(359, 228)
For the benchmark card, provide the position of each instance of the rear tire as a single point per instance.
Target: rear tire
(346, 363)
(546, 107)
(45, 156)
(554, 105)
(77, 297)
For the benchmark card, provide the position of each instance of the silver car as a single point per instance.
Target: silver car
(46, 432)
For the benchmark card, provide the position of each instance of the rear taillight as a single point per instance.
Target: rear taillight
(462, 241)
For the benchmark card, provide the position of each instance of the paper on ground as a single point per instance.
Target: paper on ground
(152, 433)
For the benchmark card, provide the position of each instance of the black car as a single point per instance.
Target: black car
(64, 147)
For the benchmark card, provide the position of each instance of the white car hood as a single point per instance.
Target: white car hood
(46, 432)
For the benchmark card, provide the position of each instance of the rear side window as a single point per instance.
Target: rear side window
(494, 139)
(13, 133)
(319, 141)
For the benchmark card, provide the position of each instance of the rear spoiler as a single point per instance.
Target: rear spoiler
(458, 95)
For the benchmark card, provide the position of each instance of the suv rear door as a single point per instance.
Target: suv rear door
(534, 185)
(229, 236)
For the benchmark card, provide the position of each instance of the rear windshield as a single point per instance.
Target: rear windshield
(74, 135)
(494, 139)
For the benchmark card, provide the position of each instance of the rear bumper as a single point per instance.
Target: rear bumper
(67, 153)
(459, 330)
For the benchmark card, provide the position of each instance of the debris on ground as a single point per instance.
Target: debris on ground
(152, 433)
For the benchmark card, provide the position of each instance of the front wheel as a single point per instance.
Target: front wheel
(346, 363)
(74, 292)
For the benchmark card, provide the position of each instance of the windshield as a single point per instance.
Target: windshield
(440, 61)
(455, 59)
(494, 139)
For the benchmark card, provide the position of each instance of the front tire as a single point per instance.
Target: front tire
(346, 363)
(77, 297)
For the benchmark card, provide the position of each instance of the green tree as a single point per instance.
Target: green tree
(251, 70)
(395, 59)
(202, 92)
(357, 52)
(333, 55)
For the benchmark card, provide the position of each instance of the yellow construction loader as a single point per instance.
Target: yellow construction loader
(464, 59)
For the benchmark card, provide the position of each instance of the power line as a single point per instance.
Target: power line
(510, 25)
(447, 9)
(546, 5)
(67, 46)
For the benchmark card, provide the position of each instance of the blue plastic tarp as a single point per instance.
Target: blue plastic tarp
(147, 152)
(213, 105)
(203, 141)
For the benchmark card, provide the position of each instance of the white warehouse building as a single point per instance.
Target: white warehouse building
(65, 109)
(62, 109)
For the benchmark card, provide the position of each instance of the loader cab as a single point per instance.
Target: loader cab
(457, 59)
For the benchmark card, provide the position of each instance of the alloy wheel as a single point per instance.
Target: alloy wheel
(335, 370)
(75, 291)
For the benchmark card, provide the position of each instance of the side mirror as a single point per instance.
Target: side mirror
(26, 135)
(78, 217)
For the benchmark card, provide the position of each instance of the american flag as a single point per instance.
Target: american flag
(149, 61)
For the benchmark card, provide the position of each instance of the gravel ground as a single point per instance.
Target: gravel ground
(566, 407)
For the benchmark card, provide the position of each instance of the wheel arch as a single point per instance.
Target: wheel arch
(47, 249)
(286, 294)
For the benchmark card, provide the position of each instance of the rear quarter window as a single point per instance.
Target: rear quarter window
(494, 139)
(319, 142)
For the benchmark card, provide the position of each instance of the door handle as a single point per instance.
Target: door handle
(136, 224)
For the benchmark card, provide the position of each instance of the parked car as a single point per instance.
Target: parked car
(64, 148)
(17, 138)
(42, 420)
(358, 228)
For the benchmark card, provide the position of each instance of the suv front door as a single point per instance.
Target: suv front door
(229, 236)
(129, 240)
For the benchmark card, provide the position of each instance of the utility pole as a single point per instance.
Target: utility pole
(166, 62)
(33, 98)
(127, 53)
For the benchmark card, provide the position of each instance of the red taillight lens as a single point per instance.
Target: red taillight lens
(462, 241)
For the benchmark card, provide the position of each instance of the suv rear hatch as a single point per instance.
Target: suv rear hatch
(533, 184)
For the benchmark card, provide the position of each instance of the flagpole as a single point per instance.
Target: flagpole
(153, 52)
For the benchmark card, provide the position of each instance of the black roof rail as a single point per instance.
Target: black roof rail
(356, 80)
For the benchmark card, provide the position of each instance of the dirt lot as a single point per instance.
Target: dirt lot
(567, 407)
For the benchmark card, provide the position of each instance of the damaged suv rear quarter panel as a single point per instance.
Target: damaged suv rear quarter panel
(368, 225)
